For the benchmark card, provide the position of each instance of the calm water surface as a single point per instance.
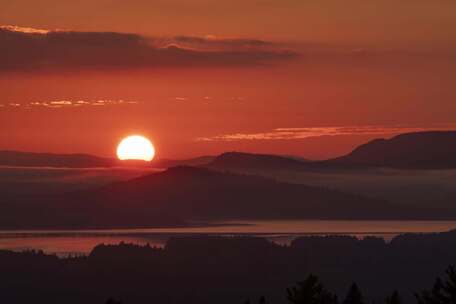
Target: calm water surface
(65, 242)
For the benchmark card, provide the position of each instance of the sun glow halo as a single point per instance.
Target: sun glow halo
(135, 147)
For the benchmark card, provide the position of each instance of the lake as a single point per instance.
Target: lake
(81, 242)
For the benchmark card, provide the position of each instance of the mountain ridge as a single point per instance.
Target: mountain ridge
(185, 194)
(15, 158)
(417, 150)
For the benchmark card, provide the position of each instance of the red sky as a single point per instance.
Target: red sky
(310, 78)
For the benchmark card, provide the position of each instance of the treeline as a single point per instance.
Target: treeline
(312, 291)
(227, 270)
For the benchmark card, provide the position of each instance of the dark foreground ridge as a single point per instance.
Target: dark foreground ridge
(183, 194)
(199, 270)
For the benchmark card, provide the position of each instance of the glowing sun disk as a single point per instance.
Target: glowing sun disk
(135, 147)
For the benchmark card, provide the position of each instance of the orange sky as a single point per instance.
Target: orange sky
(202, 77)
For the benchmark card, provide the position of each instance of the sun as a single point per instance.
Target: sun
(135, 147)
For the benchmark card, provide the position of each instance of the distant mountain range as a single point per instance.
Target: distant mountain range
(202, 194)
(420, 150)
(197, 161)
(239, 160)
(31, 159)
(215, 188)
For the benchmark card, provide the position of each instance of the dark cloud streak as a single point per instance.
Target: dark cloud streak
(62, 50)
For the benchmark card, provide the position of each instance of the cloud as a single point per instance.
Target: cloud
(302, 133)
(214, 43)
(25, 49)
(19, 29)
(30, 49)
(65, 104)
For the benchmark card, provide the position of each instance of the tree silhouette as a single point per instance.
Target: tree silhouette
(112, 301)
(393, 299)
(354, 295)
(261, 301)
(310, 291)
(443, 292)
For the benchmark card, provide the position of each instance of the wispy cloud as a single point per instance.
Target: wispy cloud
(302, 133)
(29, 49)
(214, 43)
(65, 104)
(20, 29)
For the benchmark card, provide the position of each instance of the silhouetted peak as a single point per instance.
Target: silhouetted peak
(76, 160)
(418, 150)
(255, 161)
(429, 135)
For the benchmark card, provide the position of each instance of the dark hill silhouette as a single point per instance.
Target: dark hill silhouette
(31, 159)
(197, 193)
(240, 160)
(189, 193)
(197, 161)
(420, 150)
(182, 194)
